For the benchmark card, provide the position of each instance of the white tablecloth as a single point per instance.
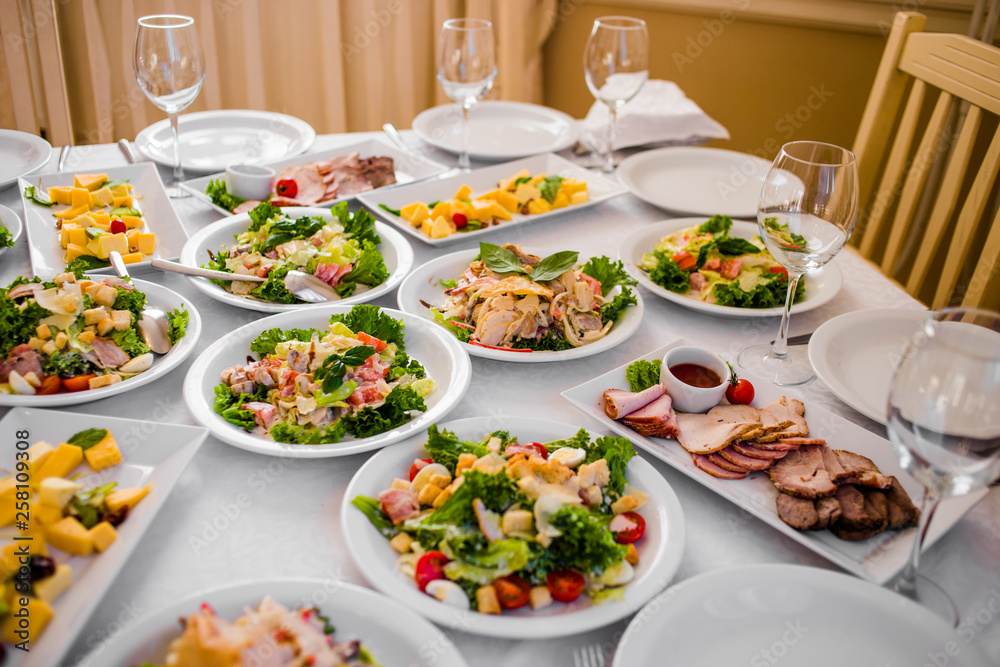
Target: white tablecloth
(288, 518)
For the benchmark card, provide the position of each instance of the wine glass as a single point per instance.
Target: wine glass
(466, 67)
(170, 69)
(944, 423)
(616, 65)
(807, 211)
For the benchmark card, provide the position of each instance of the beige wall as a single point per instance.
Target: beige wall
(767, 83)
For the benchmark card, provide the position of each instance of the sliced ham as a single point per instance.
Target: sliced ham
(714, 470)
(704, 434)
(263, 413)
(798, 442)
(619, 402)
(109, 355)
(779, 445)
(399, 504)
(24, 289)
(248, 206)
(785, 418)
(697, 281)
(656, 419)
(726, 463)
(746, 449)
(121, 283)
(22, 359)
(747, 462)
(308, 180)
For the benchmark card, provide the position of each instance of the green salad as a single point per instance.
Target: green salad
(704, 262)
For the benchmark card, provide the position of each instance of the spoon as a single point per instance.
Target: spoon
(396, 137)
(305, 287)
(154, 324)
(126, 148)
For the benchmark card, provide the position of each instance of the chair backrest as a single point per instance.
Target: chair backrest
(897, 178)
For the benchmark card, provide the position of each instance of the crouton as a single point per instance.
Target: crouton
(594, 474)
(540, 597)
(105, 296)
(490, 464)
(104, 380)
(494, 445)
(122, 319)
(401, 543)
(94, 315)
(554, 472)
(400, 484)
(465, 462)
(428, 494)
(632, 555)
(486, 600)
(517, 521)
(529, 485)
(544, 540)
(625, 504)
(440, 481)
(518, 467)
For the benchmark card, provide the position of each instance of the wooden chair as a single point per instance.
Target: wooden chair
(894, 175)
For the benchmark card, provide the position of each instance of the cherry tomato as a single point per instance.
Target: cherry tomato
(565, 585)
(286, 187)
(740, 392)
(460, 220)
(527, 448)
(118, 227)
(50, 385)
(779, 269)
(512, 591)
(419, 465)
(77, 382)
(430, 567)
(633, 526)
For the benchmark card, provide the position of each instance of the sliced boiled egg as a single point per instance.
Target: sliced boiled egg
(570, 457)
(449, 593)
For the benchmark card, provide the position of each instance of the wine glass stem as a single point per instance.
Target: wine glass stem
(178, 171)
(609, 165)
(907, 584)
(463, 160)
(780, 346)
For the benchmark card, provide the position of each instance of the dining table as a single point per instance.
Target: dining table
(236, 516)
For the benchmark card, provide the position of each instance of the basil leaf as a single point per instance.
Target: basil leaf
(554, 266)
(111, 184)
(703, 253)
(523, 179)
(334, 367)
(87, 439)
(549, 187)
(500, 259)
(357, 355)
(734, 247)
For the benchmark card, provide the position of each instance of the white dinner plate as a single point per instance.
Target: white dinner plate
(408, 168)
(821, 285)
(158, 456)
(696, 181)
(212, 140)
(158, 296)
(158, 213)
(498, 130)
(12, 221)
(856, 354)
(395, 250)
(876, 559)
(776, 614)
(660, 549)
(440, 354)
(20, 154)
(423, 285)
(484, 180)
(393, 634)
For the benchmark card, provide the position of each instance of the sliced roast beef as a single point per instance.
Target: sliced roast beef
(726, 463)
(379, 171)
(828, 510)
(801, 441)
(654, 420)
(784, 418)
(799, 513)
(748, 449)
(22, 359)
(863, 513)
(704, 434)
(712, 469)
(777, 446)
(858, 469)
(801, 473)
(902, 512)
(747, 462)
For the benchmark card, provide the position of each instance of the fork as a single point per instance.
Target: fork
(591, 655)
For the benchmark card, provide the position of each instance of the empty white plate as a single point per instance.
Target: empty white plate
(789, 615)
(20, 154)
(856, 354)
(212, 140)
(698, 181)
(498, 130)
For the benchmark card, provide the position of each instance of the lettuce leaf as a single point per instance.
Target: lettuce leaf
(610, 274)
(667, 274)
(393, 413)
(266, 341)
(444, 447)
(374, 322)
(643, 374)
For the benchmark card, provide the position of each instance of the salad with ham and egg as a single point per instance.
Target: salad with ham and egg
(501, 524)
(704, 262)
(74, 334)
(312, 386)
(342, 252)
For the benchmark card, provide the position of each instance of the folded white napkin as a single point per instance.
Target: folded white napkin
(660, 113)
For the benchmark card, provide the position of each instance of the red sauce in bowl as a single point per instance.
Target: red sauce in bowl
(696, 375)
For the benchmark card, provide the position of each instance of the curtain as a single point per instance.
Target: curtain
(340, 65)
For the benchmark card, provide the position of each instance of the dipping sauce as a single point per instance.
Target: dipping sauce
(696, 375)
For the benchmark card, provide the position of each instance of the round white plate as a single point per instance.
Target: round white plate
(443, 357)
(660, 550)
(395, 250)
(12, 221)
(856, 354)
(393, 634)
(158, 296)
(821, 285)
(212, 140)
(787, 614)
(422, 285)
(20, 154)
(696, 181)
(498, 130)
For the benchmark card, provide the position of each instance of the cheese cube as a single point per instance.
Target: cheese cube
(401, 543)
(560, 200)
(73, 251)
(492, 194)
(482, 210)
(80, 198)
(70, 213)
(537, 178)
(61, 195)
(38, 453)
(537, 206)
(101, 219)
(120, 498)
(78, 235)
(415, 212)
(141, 241)
(102, 197)
(60, 463)
(8, 511)
(46, 514)
(526, 192)
(498, 211)
(132, 258)
(508, 183)
(40, 613)
(49, 588)
(578, 198)
(540, 597)
(105, 453)
(441, 228)
(509, 202)
(122, 202)
(70, 536)
(103, 535)
(441, 210)
(464, 192)
(108, 242)
(121, 190)
(574, 185)
(89, 182)
(57, 491)
(133, 221)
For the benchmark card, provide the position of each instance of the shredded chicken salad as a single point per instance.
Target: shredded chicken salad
(342, 252)
(270, 635)
(512, 300)
(314, 387)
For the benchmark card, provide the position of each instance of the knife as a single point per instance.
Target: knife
(798, 340)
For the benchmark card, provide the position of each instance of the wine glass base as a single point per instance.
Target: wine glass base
(176, 192)
(931, 596)
(789, 370)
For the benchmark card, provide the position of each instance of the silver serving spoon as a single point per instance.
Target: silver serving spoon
(305, 287)
(154, 325)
